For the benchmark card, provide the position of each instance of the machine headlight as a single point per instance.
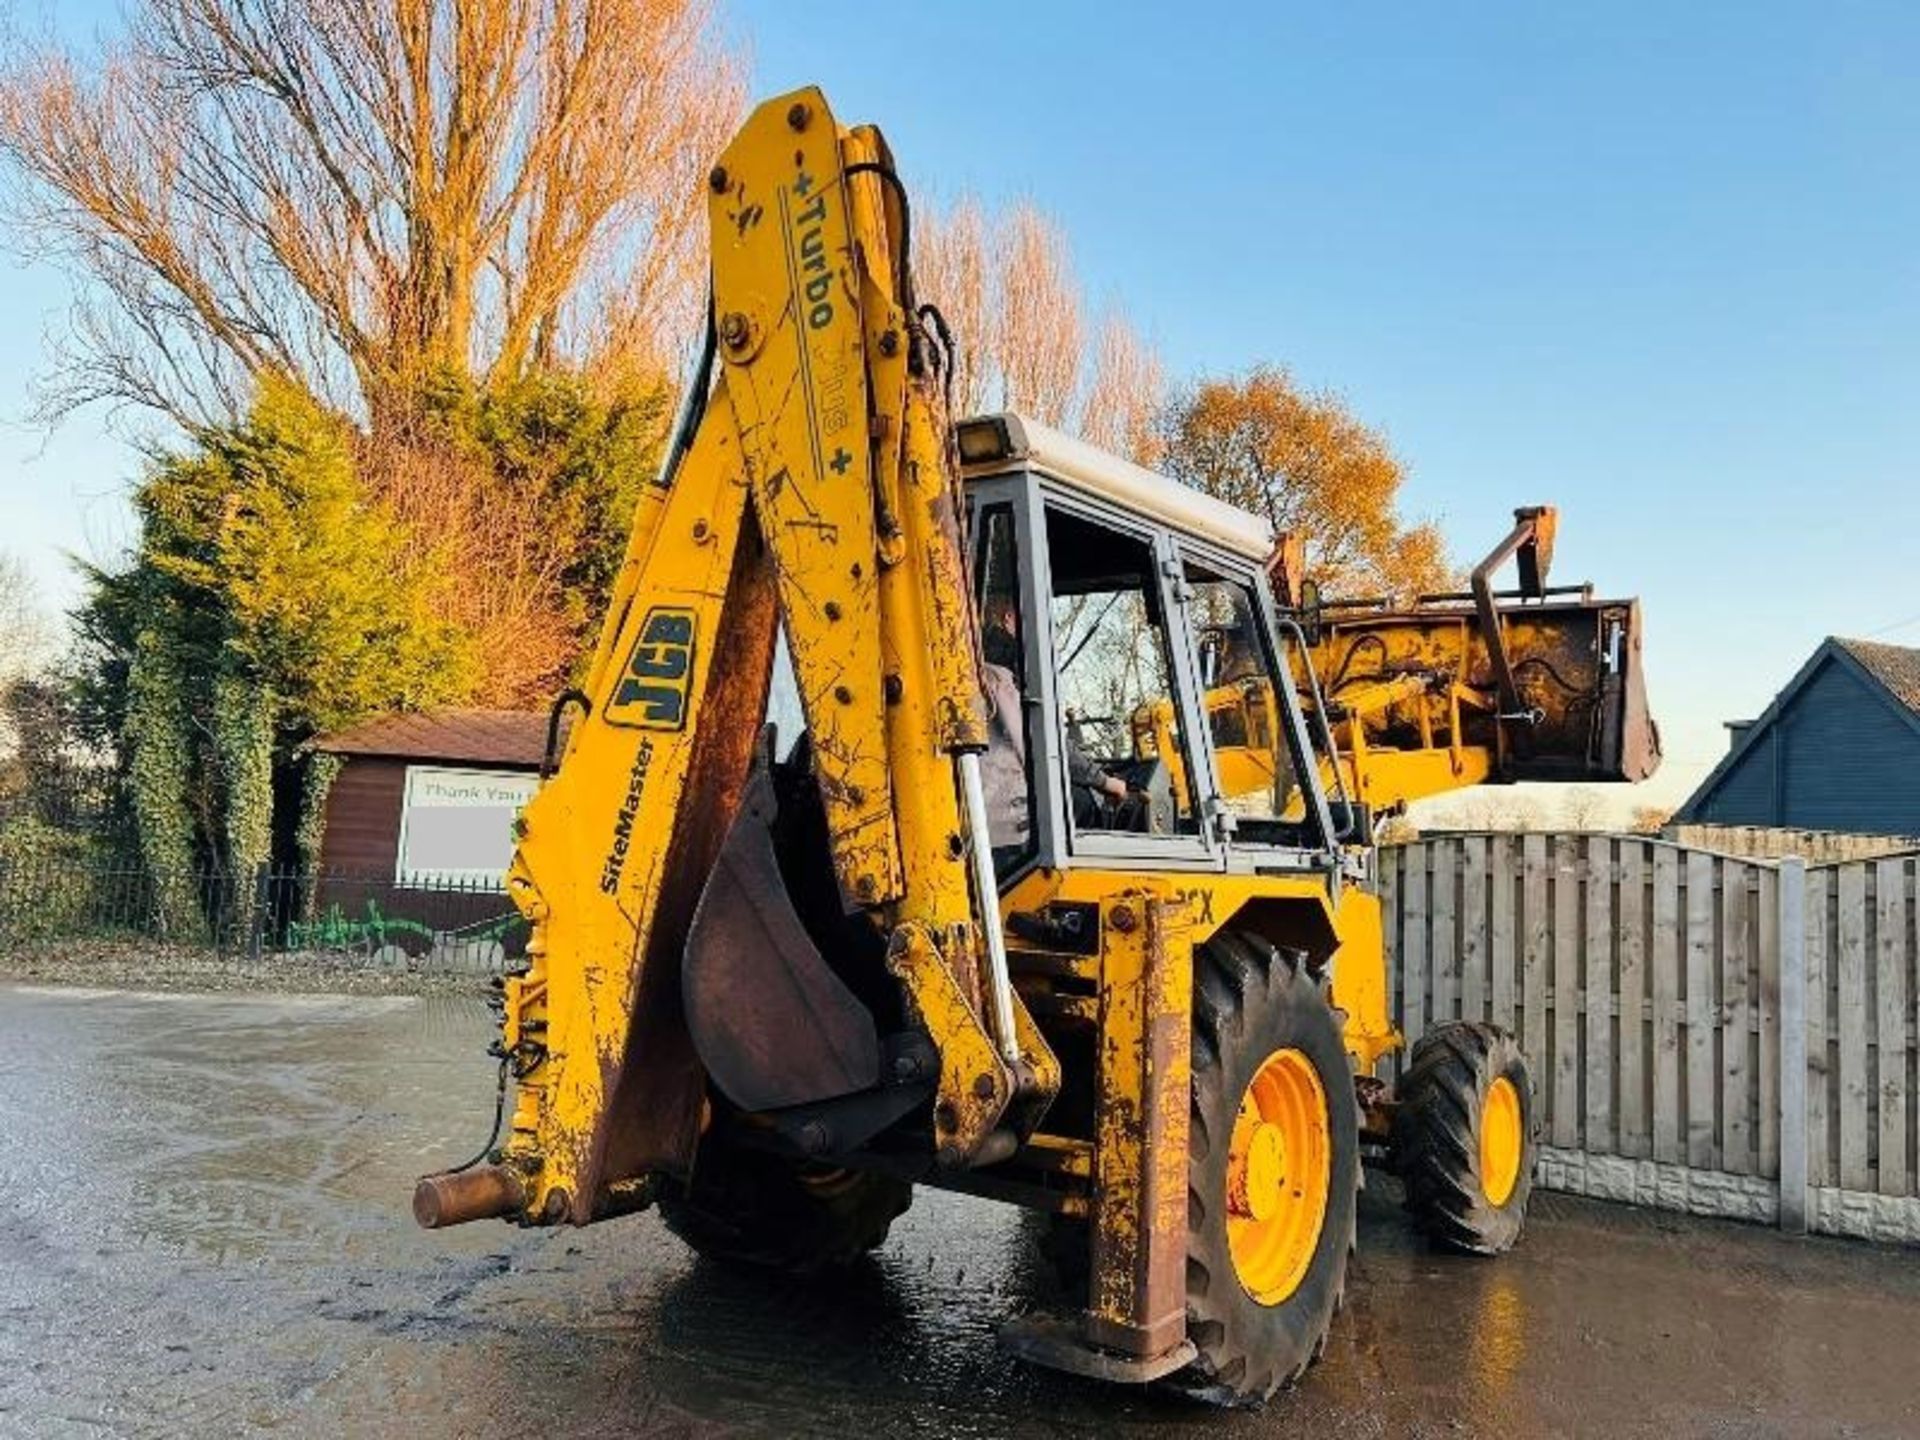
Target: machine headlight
(983, 440)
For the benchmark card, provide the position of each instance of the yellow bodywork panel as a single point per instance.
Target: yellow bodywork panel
(1300, 911)
(1359, 979)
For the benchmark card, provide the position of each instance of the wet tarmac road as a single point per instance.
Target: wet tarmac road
(209, 1235)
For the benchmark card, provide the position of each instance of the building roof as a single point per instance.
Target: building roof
(1897, 667)
(1891, 671)
(506, 738)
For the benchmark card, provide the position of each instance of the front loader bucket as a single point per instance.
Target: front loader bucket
(1581, 686)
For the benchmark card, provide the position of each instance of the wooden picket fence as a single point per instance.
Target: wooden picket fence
(1692, 1017)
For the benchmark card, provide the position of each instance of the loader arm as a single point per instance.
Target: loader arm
(809, 487)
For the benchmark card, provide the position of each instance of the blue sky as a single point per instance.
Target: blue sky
(1657, 264)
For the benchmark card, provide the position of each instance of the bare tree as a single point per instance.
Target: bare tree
(1008, 288)
(1483, 807)
(359, 195)
(23, 643)
(1036, 320)
(23, 624)
(1582, 808)
(950, 268)
(1123, 399)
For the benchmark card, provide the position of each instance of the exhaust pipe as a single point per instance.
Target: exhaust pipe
(482, 1193)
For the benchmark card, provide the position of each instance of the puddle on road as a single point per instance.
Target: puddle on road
(211, 1232)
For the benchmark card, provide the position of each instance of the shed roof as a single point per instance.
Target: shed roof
(506, 738)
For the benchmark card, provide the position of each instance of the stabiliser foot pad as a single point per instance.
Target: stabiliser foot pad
(1056, 1341)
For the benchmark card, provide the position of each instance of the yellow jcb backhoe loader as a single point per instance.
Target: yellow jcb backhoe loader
(949, 937)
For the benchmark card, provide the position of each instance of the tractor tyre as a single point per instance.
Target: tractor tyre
(1273, 1174)
(751, 1207)
(1463, 1138)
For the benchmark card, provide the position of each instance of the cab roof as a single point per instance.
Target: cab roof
(1003, 443)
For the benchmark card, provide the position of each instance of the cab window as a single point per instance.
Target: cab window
(1004, 769)
(1123, 748)
(1246, 715)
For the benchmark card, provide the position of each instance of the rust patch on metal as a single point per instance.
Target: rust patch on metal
(1137, 1295)
(482, 1193)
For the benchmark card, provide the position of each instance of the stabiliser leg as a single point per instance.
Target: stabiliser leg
(1135, 1325)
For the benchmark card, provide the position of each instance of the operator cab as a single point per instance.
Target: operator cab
(1140, 676)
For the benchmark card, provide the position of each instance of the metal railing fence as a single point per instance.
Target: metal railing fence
(454, 924)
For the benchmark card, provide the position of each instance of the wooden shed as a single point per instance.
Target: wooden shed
(1837, 750)
(418, 824)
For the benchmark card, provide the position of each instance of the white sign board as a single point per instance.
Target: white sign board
(457, 825)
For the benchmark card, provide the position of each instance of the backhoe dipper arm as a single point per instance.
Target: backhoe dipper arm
(815, 490)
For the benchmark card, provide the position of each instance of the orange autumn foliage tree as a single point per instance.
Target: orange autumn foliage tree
(525, 489)
(1310, 466)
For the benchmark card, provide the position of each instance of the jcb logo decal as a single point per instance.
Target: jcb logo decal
(652, 691)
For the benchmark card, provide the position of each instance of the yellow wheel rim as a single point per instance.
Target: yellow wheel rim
(1279, 1172)
(1502, 1138)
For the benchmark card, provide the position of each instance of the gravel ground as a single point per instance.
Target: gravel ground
(207, 1197)
(145, 965)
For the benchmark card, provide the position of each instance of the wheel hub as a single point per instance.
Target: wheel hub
(1502, 1140)
(1258, 1177)
(1279, 1171)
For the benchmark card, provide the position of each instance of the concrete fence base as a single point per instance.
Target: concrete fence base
(1658, 1186)
(1888, 1219)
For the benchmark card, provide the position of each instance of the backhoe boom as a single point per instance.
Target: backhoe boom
(814, 489)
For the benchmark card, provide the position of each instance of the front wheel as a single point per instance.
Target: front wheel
(1463, 1137)
(1274, 1170)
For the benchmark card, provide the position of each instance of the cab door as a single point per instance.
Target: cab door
(1266, 792)
(1117, 686)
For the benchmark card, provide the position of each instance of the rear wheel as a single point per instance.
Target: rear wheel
(752, 1207)
(1463, 1137)
(1273, 1174)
